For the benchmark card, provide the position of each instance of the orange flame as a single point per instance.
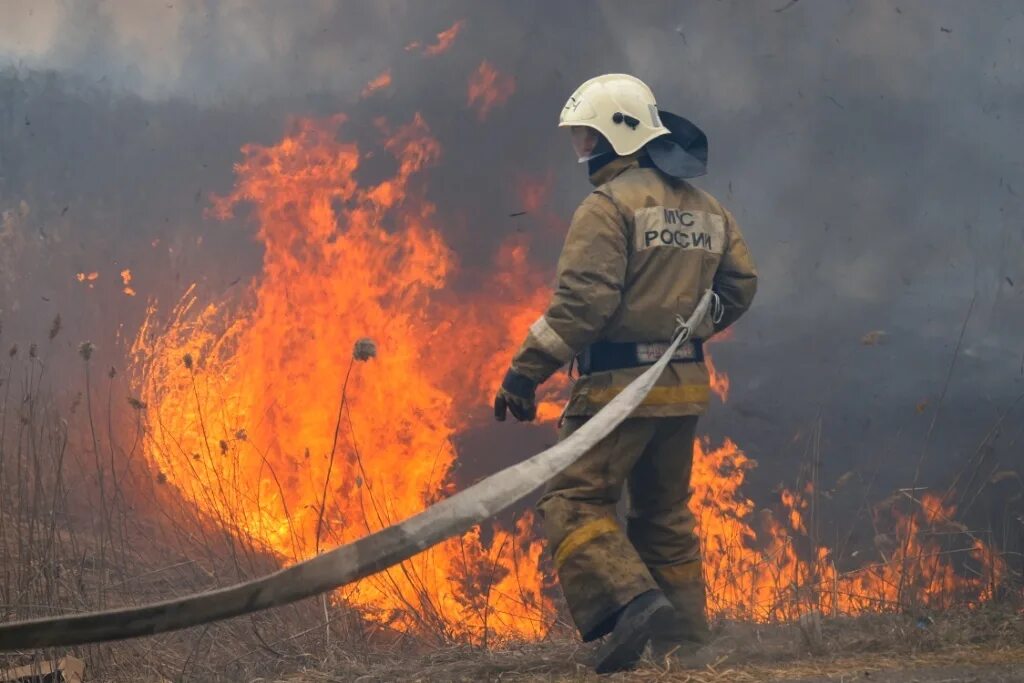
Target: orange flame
(754, 570)
(381, 82)
(719, 380)
(245, 428)
(445, 39)
(488, 88)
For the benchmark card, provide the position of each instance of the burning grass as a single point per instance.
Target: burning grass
(86, 522)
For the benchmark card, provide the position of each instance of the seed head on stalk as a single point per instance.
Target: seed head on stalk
(365, 349)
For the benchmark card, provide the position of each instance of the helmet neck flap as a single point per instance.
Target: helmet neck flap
(683, 152)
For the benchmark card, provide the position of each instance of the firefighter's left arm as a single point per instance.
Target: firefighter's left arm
(591, 272)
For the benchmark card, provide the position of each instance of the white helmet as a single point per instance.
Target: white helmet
(619, 107)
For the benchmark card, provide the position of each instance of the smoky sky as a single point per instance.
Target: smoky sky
(871, 151)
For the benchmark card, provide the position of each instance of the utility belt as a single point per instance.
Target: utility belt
(605, 355)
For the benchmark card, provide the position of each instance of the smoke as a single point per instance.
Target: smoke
(205, 51)
(870, 150)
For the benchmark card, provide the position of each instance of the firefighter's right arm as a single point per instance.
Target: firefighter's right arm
(736, 278)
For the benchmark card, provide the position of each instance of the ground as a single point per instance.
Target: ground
(289, 646)
(980, 646)
(535, 664)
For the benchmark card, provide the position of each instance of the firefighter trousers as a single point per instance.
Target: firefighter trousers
(601, 564)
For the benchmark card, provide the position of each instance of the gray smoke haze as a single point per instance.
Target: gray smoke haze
(871, 150)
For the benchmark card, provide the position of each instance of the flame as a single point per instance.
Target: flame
(757, 567)
(488, 88)
(381, 82)
(719, 380)
(754, 570)
(261, 418)
(244, 399)
(445, 39)
(501, 328)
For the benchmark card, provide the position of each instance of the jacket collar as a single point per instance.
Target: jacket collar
(614, 168)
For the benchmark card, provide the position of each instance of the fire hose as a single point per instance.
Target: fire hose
(363, 557)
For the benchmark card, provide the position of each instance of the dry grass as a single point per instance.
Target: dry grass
(85, 524)
(986, 644)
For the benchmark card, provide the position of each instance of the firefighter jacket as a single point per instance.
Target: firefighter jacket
(641, 250)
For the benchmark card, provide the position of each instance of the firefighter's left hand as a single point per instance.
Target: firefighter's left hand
(517, 395)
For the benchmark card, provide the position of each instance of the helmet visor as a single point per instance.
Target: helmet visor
(585, 142)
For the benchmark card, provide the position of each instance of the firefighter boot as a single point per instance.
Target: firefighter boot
(645, 615)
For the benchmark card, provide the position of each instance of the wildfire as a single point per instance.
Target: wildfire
(488, 88)
(259, 417)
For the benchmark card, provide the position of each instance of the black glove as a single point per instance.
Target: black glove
(518, 394)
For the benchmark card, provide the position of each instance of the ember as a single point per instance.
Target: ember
(126, 279)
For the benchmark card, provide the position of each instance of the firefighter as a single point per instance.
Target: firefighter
(641, 250)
